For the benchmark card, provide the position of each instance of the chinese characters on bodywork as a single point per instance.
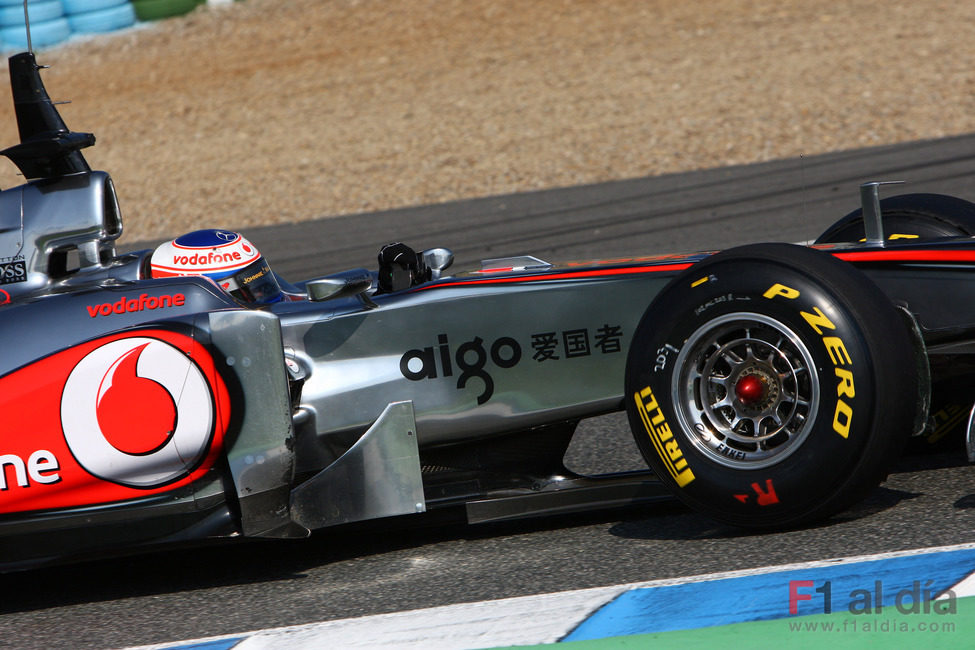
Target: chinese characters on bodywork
(470, 359)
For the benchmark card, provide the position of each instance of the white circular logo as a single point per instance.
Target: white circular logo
(137, 412)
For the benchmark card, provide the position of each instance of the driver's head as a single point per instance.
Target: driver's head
(223, 256)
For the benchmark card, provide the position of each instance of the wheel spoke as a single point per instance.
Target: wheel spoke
(726, 401)
(733, 359)
(750, 388)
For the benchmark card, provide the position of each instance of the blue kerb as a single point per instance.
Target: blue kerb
(762, 597)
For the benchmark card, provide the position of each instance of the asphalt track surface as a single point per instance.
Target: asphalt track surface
(168, 596)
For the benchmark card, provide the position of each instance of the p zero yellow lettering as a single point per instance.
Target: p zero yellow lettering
(837, 351)
(818, 320)
(845, 387)
(662, 438)
(838, 354)
(780, 290)
(842, 417)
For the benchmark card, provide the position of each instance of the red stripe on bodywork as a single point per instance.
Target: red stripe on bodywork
(853, 256)
(908, 256)
(570, 275)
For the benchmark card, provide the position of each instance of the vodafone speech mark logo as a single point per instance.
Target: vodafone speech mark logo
(109, 420)
(137, 412)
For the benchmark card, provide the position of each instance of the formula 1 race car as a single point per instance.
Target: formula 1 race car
(188, 392)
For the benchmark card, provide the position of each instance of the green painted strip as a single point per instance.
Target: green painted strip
(954, 628)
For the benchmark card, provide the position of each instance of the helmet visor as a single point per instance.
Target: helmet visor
(256, 284)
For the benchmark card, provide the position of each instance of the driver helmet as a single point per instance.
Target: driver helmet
(223, 256)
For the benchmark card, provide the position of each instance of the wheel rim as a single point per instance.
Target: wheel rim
(746, 390)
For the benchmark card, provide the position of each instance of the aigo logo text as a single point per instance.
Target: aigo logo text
(470, 358)
(116, 418)
(476, 358)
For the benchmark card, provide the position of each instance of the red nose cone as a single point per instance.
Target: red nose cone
(749, 389)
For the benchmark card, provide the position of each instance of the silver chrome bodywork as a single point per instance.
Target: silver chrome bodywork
(353, 355)
(340, 404)
(388, 451)
(56, 227)
(337, 393)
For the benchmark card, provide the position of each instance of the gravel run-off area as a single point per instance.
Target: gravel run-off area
(274, 111)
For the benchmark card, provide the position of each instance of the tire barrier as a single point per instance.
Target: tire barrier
(81, 6)
(159, 9)
(53, 21)
(40, 11)
(48, 25)
(42, 34)
(99, 21)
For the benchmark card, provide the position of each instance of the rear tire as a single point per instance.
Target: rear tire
(910, 217)
(767, 386)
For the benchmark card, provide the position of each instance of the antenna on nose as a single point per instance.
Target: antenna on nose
(27, 26)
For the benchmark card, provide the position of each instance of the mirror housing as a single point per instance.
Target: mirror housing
(437, 260)
(355, 282)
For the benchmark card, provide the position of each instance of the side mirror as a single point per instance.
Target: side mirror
(341, 285)
(437, 260)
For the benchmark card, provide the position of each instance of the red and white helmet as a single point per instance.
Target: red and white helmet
(223, 256)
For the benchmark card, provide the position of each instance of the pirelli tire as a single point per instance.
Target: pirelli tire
(771, 386)
(910, 217)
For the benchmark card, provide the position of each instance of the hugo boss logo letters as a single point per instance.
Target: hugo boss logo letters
(470, 358)
(128, 305)
(11, 272)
